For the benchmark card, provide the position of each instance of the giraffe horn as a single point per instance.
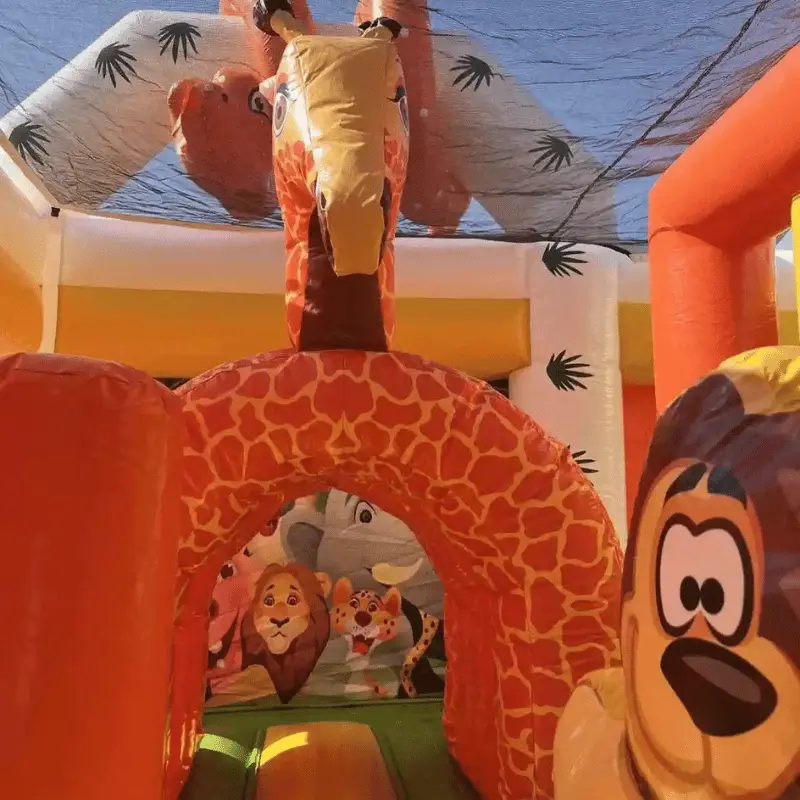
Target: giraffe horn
(383, 28)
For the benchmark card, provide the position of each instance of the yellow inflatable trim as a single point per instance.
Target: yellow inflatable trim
(636, 341)
(179, 334)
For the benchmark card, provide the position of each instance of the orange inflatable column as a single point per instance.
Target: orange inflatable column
(90, 458)
(713, 218)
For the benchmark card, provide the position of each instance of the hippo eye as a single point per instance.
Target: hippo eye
(401, 99)
(280, 111)
(707, 572)
(228, 570)
(364, 512)
(257, 104)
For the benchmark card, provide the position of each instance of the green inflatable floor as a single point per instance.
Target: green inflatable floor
(409, 733)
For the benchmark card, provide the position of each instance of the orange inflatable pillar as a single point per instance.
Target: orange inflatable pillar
(713, 218)
(90, 459)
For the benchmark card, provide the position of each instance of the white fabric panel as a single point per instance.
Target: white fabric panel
(115, 252)
(574, 323)
(496, 140)
(23, 213)
(97, 135)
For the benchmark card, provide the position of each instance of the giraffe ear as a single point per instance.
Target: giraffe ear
(267, 89)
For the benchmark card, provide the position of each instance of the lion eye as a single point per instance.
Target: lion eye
(269, 601)
(292, 600)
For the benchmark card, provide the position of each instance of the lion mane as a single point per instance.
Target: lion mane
(290, 670)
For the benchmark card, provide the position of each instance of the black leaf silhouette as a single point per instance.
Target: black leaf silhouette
(583, 461)
(29, 140)
(474, 72)
(115, 60)
(179, 36)
(564, 371)
(560, 259)
(553, 152)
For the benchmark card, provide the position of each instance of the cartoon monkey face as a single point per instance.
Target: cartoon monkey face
(284, 613)
(709, 697)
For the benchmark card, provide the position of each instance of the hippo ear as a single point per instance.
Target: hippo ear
(384, 28)
(267, 89)
(180, 94)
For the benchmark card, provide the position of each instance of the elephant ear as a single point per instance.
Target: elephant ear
(301, 543)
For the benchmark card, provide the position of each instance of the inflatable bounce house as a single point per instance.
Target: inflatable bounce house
(433, 540)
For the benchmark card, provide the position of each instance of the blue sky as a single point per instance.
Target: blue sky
(603, 68)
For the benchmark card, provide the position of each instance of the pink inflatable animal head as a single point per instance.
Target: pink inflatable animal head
(222, 131)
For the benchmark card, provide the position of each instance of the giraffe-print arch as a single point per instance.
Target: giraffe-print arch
(525, 551)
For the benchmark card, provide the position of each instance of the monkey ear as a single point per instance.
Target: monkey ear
(342, 591)
(324, 582)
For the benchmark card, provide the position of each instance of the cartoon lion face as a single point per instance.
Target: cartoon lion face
(710, 641)
(287, 626)
(364, 618)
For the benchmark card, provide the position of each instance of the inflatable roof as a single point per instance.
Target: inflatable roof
(542, 124)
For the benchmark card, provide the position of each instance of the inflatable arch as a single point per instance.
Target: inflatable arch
(516, 532)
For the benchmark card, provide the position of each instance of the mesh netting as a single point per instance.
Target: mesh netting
(557, 117)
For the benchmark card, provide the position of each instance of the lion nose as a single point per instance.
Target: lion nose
(363, 618)
(722, 693)
(279, 623)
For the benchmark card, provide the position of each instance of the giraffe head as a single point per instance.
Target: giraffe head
(340, 140)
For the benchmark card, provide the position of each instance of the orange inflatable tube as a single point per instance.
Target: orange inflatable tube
(713, 218)
(266, 49)
(433, 196)
(92, 456)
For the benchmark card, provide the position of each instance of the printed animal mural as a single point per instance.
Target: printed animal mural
(353, 538)
(707, 702)
(287, 626)
(363, 549)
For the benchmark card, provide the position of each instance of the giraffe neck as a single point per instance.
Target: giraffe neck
(340, 313)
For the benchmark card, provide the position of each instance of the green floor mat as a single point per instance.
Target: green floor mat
(409, 733)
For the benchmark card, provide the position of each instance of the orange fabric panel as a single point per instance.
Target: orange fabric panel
(639, 415)
(713, 216)
(91, 453)
(20, 308)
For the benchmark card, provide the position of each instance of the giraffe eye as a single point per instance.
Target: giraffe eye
(280, 111)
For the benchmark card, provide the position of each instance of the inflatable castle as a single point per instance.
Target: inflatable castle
(239, 588)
